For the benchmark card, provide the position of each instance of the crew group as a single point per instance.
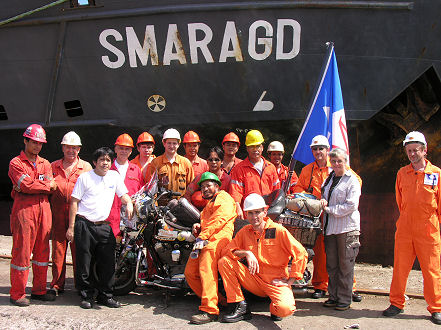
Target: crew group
(69, 201)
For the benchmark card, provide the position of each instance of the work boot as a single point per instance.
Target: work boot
(22, 302)
(109, 302)
(330, 303)
(318, 294)
(342, 307)
(48, 296)
(240, 312)
(276, 318)
(86, 303)
(356, 297)
(392, 311)
(203, 318)
(436, 318)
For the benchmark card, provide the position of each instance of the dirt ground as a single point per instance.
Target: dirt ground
(147, 309)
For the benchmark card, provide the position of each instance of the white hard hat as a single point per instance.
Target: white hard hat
(253, 202)
(171, 133)
(275, 146)
(71, 138)
(413, 137)
(319, 140)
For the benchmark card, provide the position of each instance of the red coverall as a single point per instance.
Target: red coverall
(193, 192)
(245, 179)
(236, 161)
(273, 249)
(199, 165)
(312, 177)
(31, 220)
(417, 234)
(60, 200)
(133, 182)
(217, 226)
(283, 175)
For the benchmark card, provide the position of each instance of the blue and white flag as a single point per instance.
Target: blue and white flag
(326, 115)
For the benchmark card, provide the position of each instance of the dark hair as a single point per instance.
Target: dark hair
(217, 150)
(103, 151)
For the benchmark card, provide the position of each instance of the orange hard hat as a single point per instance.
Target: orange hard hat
(145, 137)
(190, 137)
(124, 140)
(35, 132)
(231, 137)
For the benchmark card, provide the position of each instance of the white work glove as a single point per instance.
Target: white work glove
(199, 244)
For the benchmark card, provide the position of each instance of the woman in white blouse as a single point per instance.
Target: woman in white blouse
(340, 197)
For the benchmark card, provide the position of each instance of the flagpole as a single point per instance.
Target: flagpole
(292, 163)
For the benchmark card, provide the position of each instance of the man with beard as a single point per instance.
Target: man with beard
(213, 234)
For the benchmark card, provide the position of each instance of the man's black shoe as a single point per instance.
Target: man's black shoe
(342, 307)
(109, 302)
(330, 303)
(276, 318)
(392, 311)
(436, 318)
(240, 312)
(86, 303)
(48, 296)
(356, 297)
(318, 294)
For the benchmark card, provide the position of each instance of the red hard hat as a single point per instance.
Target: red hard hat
(145, 137)
(231, 137)
(190, 137)
(35, 132)
(124, 140)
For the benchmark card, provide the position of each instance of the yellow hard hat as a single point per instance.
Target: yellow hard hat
(254, 138)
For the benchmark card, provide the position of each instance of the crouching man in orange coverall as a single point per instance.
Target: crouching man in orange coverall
(418, 194)
(66, 172)
(213, 234)
(32, 181)
(257, 259)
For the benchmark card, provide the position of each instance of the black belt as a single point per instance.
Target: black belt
(95, 223)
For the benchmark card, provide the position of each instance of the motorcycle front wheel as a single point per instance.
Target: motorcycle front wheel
(124, 278)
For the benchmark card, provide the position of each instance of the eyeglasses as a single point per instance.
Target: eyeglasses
(213, 159)
(337, 161)
(318, 148)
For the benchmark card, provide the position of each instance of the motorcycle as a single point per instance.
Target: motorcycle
(155, 244)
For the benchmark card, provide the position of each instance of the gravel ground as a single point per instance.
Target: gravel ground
(147, 309)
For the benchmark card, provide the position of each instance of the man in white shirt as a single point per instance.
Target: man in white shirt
(90, 206)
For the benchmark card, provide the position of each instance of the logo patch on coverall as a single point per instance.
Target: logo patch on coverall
(270, 233)
(431, 179)
(41, 177)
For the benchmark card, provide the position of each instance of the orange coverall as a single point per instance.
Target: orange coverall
(199, 165)
(283, 175)
(179, 174)
(194, 195)
(310, 180)
(217, 226)
(31, 220)
(418, 234)
(144, 171)
(245, 179)
(60, 200)
(273, 249)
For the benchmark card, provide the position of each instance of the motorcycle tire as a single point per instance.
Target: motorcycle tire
(124, 281)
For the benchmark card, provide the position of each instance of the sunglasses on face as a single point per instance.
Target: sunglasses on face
(213, 160)
(318, 148)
